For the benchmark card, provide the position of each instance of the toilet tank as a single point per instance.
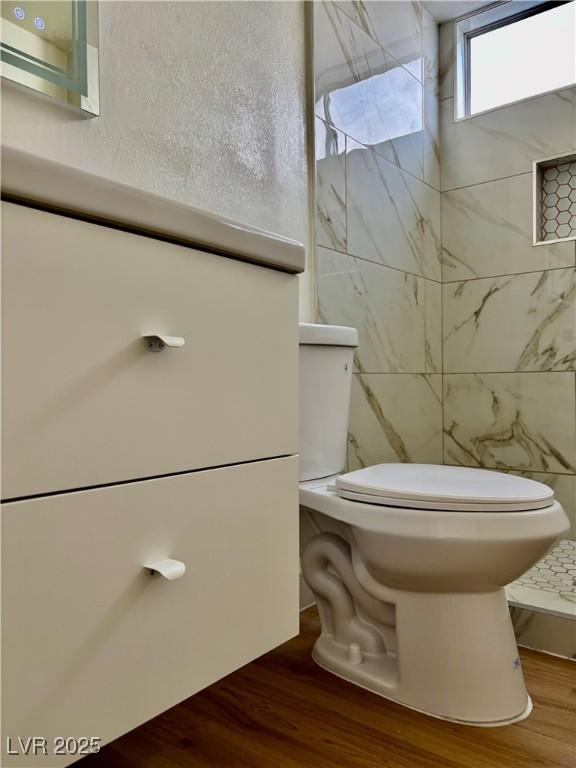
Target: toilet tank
(326, 353)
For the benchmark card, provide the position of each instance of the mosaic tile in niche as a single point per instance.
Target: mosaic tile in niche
(559, 201)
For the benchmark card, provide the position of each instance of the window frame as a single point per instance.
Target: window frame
(481, 22)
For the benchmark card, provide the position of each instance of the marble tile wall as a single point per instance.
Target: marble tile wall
(330, 148)
(523, 322)
(508, 308)
(520, 421)
(395, 418)
(378, 218)
(375, 63)
(487, 230)
(393, 217)
(424, 230)
(505, 141)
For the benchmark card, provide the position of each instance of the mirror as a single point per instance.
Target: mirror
(53, 49)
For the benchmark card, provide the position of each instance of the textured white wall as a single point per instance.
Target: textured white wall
(202, 102)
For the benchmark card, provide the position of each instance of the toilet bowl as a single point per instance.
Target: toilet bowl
(409, 561)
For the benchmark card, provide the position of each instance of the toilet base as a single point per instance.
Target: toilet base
(451, 655)
(350, 675)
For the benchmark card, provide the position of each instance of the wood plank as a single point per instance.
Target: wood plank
(283, 711)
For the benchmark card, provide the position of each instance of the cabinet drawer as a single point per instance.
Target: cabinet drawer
(85, 402)
(93, 645)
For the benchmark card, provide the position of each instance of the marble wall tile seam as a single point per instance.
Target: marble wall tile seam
(509, 274)
(510, 470)
(375, 39)
(541, 472)
(424, 162)
(506, 140)
(508, 373)
(386, 266)
(510, 104)
(346, 143)
(431, 142)
(344, 253)
(485, 181)
(381, 155)
(487, 232)
(432, 92)
(397, 314)
(358, 371)
(443, 362)
(330, 186)
(451, 96)
(508, 428)
(428, 80)
(395, 419)
(446, 60)
(345, 55)
(433, 342)
(393, 60)
(393, 217)
(431, 80)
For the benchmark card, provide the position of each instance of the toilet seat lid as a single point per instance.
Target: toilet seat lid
(431, 486)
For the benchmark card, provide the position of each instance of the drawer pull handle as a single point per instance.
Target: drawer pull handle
(156, 343)
(169, 569)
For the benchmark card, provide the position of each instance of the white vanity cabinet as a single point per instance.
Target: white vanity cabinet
(94, 644)
(149, 406)
(85, 400)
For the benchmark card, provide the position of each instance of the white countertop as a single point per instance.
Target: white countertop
(37, 181)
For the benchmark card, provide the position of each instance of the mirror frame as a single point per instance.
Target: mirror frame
(81, 86)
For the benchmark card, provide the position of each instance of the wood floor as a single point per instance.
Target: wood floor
(282, 711)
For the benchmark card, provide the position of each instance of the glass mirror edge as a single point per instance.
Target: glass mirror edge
(81, 92)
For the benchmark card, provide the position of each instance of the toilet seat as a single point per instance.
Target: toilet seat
(437, 487)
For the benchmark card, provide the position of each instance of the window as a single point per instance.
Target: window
(512, 52)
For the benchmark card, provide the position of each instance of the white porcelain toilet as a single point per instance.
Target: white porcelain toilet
(409, 561)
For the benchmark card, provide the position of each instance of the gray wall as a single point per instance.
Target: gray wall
(201, 102)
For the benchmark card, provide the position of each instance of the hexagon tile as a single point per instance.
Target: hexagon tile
(559, 201)
(556, 572)
(550, 586)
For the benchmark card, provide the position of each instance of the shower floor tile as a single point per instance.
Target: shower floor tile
(550, 586)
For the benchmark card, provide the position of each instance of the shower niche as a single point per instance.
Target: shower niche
(555, 199)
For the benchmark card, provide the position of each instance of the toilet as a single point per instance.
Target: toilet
(408, 562)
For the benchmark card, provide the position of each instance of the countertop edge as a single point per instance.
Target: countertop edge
(35, 180)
